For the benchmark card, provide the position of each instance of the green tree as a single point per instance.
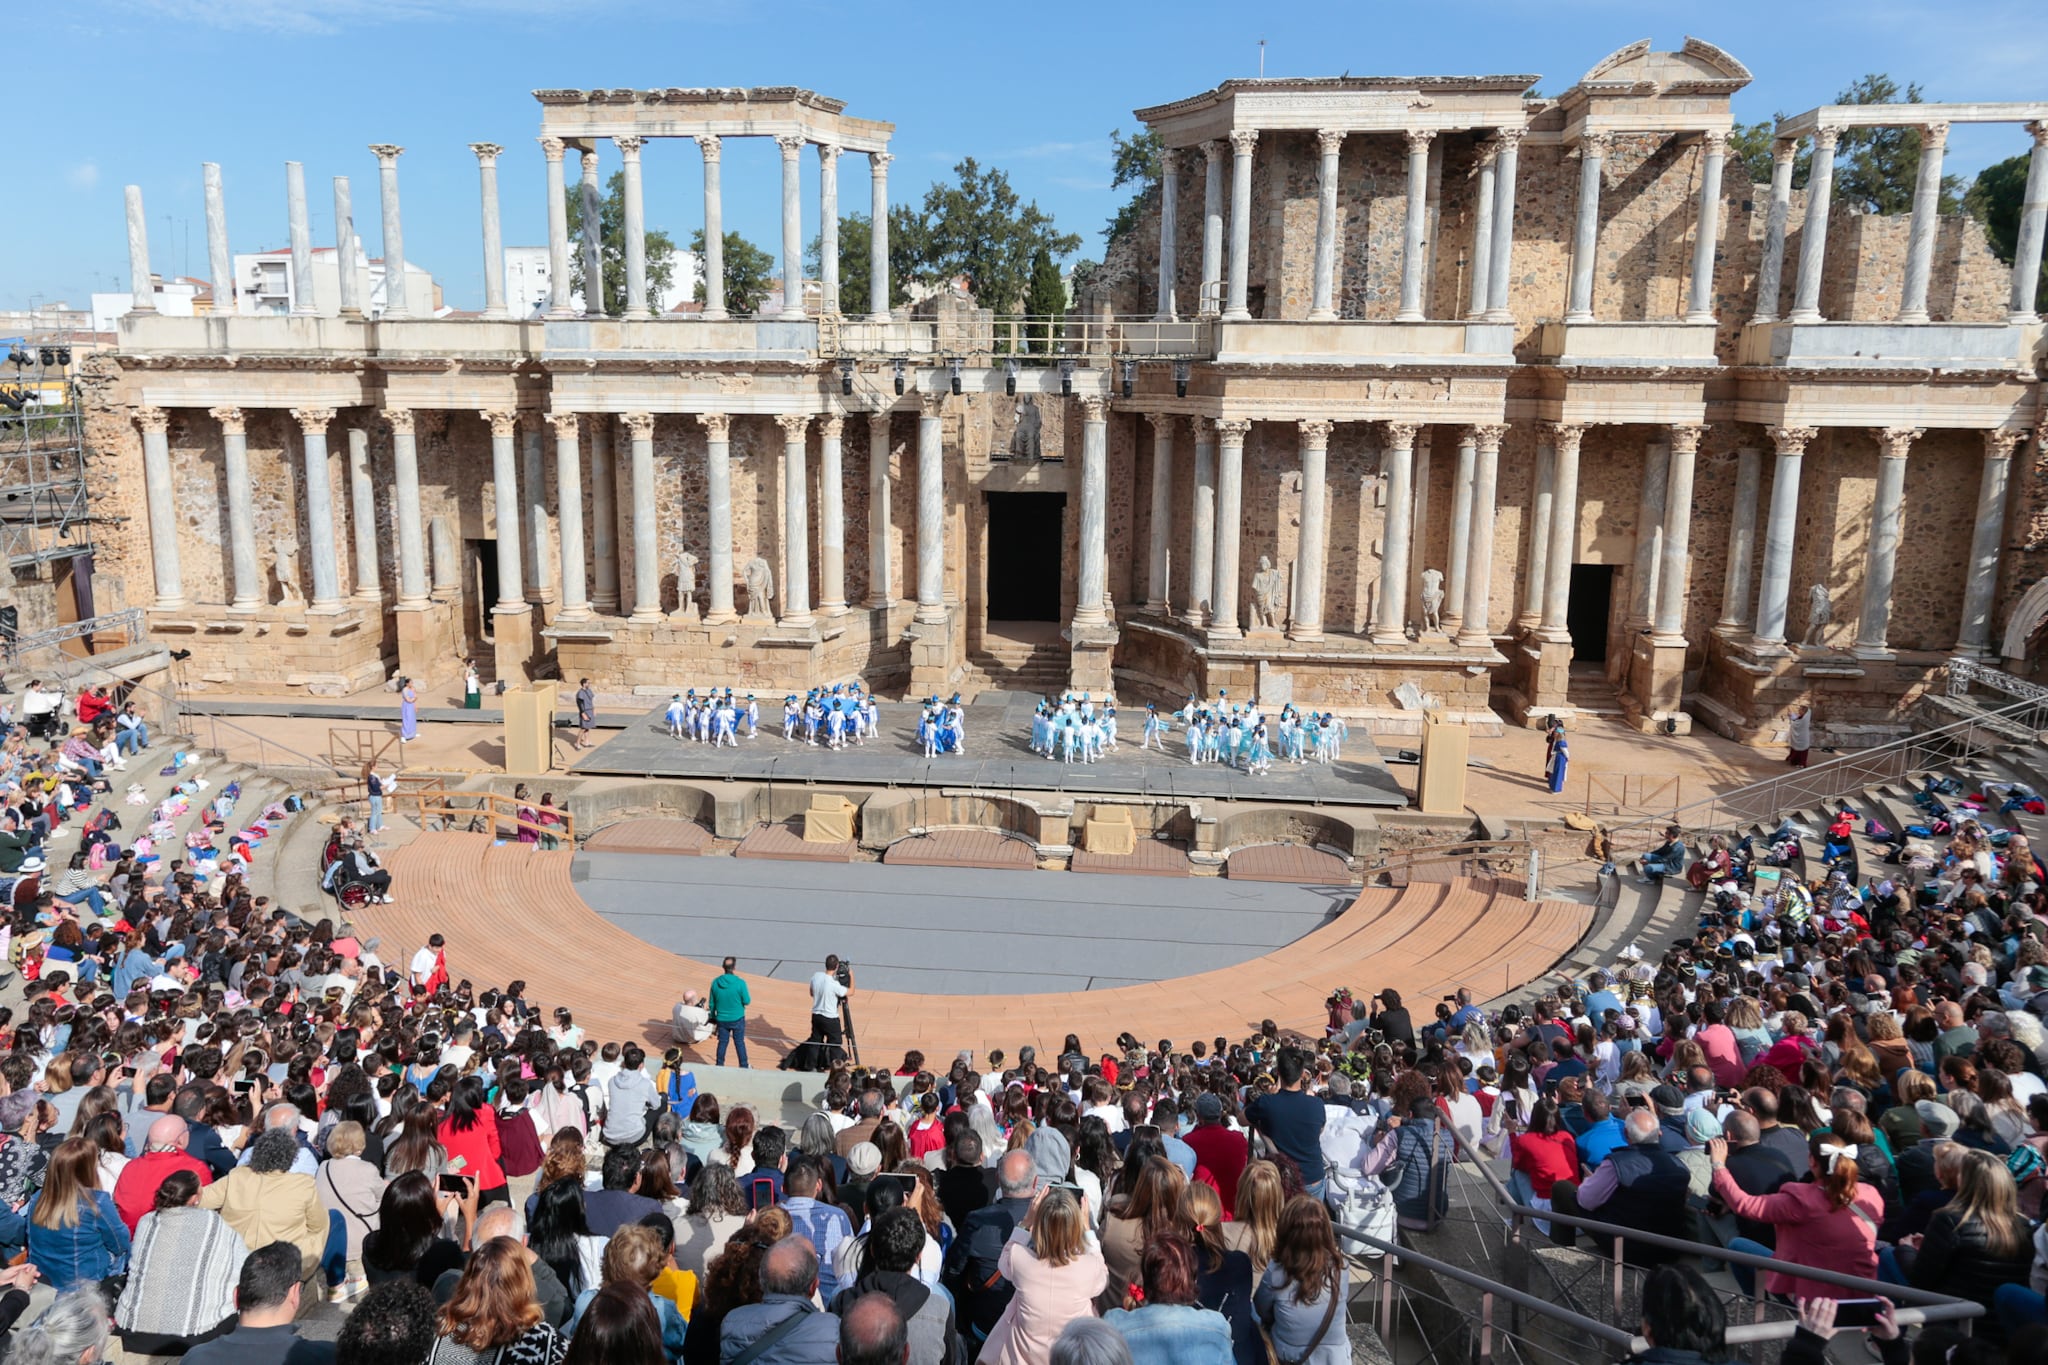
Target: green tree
(1046, 296)
(977, 229)
(749, 272)
(1750, 146)
(1994, 200)
(1875, 168)
(1133, 161)
(611, 250)
(856, 240)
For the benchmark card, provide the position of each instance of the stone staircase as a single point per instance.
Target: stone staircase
(996, 663)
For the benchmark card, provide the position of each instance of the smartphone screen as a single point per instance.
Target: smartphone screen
(453, 1184)
(1857, 1312)
(243, 1086)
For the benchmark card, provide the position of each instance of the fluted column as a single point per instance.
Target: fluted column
(299, 229)
(319, 491)
(569, 512)
(396, 302)
(828, 228)
(1462, 476)
(831, 517)
(1202, 527)
(1770, 275)
(533, 485)
(405, 500)
(487, 154)
(162, 501)
(1813, 231)
(1169, 231)
(1586, 226)
(1322, 304)
(604, 517)
(362, 516)
(718, 507)
(1414, 260)
(878, 239)
(1242, 143)
(248, 585)
(1982, 583)
(931, 509)
(1735, 596)
(1926, 222)
(1090, 603)
(646, 559)
(559, 305)
(1488, 154)
(220, 265)
(346, 275)
(1210, 302)
(1500, 268)
(636, 228)
(1160, 521)
(1668, 627)
(1538, 536)
(141, 283)
(1307, 620)
(1564, 534)
(792, 228)
(1780, 531)
(505, 495)
(1873, 626)
(1707, 230)
(714, 232)
(878, 511)
(1390, 625)
(1474, 629)
(591, 195)
(2026, 259)
(1223, 619)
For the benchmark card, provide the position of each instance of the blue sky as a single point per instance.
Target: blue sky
(110, 92)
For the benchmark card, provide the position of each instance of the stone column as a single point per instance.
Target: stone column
(1488, 154)
(1160, 520)
(635, 227)
(1307, 621)
(792, 228)
(1169, 232)
(714, 233)
(878, 240)
(1707, 232)
(487, 154)
(1089, 606)
(878, 511)
(320, 509)
(248, 584)
(1223, 620)
(162, 500)
(1978, 589)
(1649, 532)
(1202, 527)
(569, 511)
(646, 561)
(558, 231)
(1212, 230)
(604, 516)
(345, 274)
(405, 490)
(1413, 263)
(2026, 260)
(1813, 231)
(1500, 269)
(1538, 536)
(831, 517)
(1322, 307)
(1779, 532)
(533, 484)
(1564, 535)
(1881, 569)
(1675, 554)
(1419, 479)
(1390, 627)
(362, 516)
(1586, 227)
(1770, 274)
(1926, 222)
(931, 509)
(1461, 532)
(221, 265)
(505, 494)
(828, 228)
(299, 229)
(1242, 142)
(592, 197)
(141, 284)
(396, 302)
(1474, 629)
(718, 508)
(1735, 598)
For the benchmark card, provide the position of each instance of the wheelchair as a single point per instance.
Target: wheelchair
(349, 893)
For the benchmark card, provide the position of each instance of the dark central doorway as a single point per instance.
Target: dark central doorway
(1586, 617)
(1025, 534)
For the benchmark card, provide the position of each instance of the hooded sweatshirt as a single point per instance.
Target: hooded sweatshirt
(927, 1316)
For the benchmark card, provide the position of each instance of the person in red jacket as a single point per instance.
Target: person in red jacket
(470, 1135)
(94, 703)
(135, 1191)
(1220, 1149)
(519, 1140)
(1544, 1154)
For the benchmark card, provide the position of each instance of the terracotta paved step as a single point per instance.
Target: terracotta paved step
(1150, 858)
(787, 843)
(653, 835)
(960, 848)
(1287, 863)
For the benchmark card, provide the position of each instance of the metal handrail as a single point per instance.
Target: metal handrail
(176, 713)
(440, 803)
(128, 622)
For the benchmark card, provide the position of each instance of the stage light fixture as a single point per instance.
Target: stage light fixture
(1066, 377)
(1010, 377)
(846, 375)
(1129, 370)
(902, 365)
(1181, 373)
(956, 367)
(63, 355)
(48, 357)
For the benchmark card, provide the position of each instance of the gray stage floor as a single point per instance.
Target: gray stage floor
(998, 757)
(948, 931)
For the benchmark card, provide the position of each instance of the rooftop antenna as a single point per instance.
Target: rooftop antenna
(1262, 59)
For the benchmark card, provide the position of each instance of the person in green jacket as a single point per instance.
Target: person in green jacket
(729, 1001)
(15, 844)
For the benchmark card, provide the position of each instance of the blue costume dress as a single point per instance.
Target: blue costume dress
(408, 714)
(1560, 760)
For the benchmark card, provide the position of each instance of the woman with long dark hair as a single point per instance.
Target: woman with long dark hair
(618, 1328)
(470, 1137)
(407, 1241)
(559, 1233)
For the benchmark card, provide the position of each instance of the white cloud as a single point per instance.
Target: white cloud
(84, 175)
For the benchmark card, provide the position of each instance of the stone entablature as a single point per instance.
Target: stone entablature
(761, 111)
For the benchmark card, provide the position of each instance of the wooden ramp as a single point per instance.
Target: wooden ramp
(686, 838)
(787, 843)
(961, 848)
(1151, 858)
(1295, 863)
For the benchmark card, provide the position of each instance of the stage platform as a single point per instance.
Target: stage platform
(998, 758)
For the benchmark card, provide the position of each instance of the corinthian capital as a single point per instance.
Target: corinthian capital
(568, 425)
(552, 147)
(399, 420)
(831, 427)
(502, 423)
(1315, 432)
(791, 144)
(1401, 435)
(1685, 440)
(709, 144)
(1329, 141)
(232, 421)
(1565, 436)
(1784, 151)
(487, 153)
(387, 153)
(1233, 430)
(153, 420)
(879, 161)
(1825, 137)
(1094, 407)
(639, 425)
(794, 425)
(1999, 445)
(1509, 138)
(1489, 435)
(314, 421)
(1933, 135)
(1243, 140)
(931, 404)
(1594, 146)
(1419, 140)
(1897, 441)
(1714, 142)
(717, 425)
(1792, 440)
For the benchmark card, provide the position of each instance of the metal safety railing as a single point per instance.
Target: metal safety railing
(977, 336)
(127, 624)
(1502, 859)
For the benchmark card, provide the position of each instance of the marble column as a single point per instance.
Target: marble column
(345, 271)
(1462, 476)
(1421, 480)
(1586, 226)
(533, 485)
(221, 265)
(1169, 232)
(161, 498)
(1974, 640)
(591, 196)
(1538, 537)
(1882, 565)
(831, 516)
(1158, 592)
(569, 512)
(792, 228)
(1488, 157)
(1649, 532)
(828, 228)
(604, 517)
(1223, 619)
(1813, 230)
(299, 229)
(319, 493)
(646, 558)
(1780, 531)
(1414, 263)
(487, 154)
(1090, 606)
(1242, 143)
(718, 515)
(1390, 626)
(505, 496)
(878, 511)
(1322, 306)
(141, 283)
(362, 516)
(1474, 629)
(931, 509)
(1209, 304)
(248, 585)
(714, 232)
(1926, 222)
(405, 501)
(1735, 598)
(559, 305)
(397, 303)
(1563, 539)
(1307, 620)
(635, 227)
(1707, 227)
(1675, 554)
(878, 239)
(1500, 268)
(1770, 273)
(1202, 527)
(2026, 260)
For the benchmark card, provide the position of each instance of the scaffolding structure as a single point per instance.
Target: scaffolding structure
(43, 496)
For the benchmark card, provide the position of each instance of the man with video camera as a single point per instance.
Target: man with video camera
(829, 990)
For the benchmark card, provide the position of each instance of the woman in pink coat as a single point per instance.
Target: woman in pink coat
(1057, 1276)
(1830, 1224)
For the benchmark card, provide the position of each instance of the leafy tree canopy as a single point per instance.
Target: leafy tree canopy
(749, 272)
(611, 251)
